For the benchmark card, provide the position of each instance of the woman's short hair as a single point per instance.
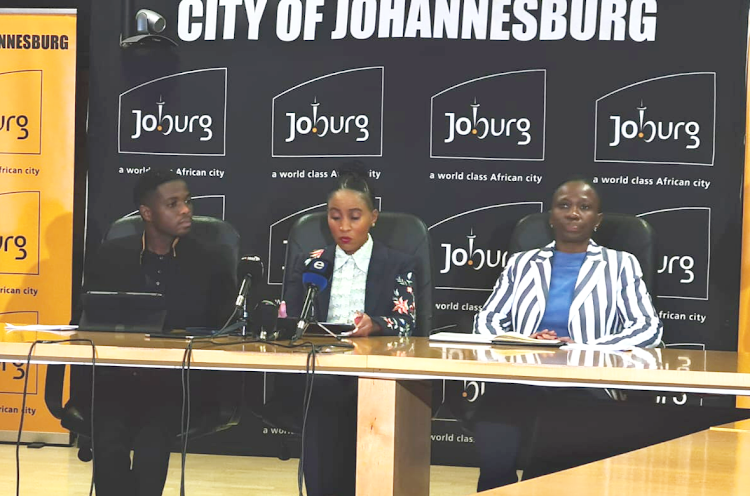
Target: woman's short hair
(353, 176)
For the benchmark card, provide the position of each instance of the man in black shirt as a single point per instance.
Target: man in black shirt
(140, 408)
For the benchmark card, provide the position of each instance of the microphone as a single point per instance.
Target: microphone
(250, 267)
(262, 320)
(315, 278)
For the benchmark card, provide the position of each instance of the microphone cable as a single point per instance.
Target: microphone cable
(23, 405)
(186, 403)
(210, 340)
(185, 416)
(224, 329)
(307, 397)
(306, 400)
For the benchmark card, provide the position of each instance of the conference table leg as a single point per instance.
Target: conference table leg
(393, 437)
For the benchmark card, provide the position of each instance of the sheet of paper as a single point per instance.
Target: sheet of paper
(517, 338)
(460, 337)
(40, 328)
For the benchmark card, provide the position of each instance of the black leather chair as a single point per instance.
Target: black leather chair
(617, 231)
(403, 232)
(75, 415)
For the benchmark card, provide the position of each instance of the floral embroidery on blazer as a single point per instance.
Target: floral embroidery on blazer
(404, 308)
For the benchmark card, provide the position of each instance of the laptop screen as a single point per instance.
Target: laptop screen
(122, 312)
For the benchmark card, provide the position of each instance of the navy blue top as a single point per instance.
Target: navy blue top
(565, 269)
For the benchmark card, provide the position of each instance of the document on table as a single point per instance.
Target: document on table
(61, 329)
(508, 338)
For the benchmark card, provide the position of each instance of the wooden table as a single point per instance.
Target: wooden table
(709, 463)
(393, 435)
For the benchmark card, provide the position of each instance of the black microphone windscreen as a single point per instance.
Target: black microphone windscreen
(269, 314)
(250, 265)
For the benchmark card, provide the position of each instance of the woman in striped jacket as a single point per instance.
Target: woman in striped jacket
(572, 290)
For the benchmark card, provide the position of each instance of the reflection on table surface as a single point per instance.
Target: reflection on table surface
(415, 348)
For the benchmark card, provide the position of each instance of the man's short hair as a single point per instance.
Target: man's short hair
(147, 183)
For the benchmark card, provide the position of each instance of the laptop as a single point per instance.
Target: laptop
(123, 312)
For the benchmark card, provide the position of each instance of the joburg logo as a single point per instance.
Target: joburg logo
(683, 268)
(482, 127)
(669, 119)
(166, 124)
(476, 258)
(317, 119)
(18, 125)
(474, 261)
(496, 117)
(20, 118)
(648, 130)
(179, 114)
(684, 263)
(19, 232)
(321, 125)
(15, 245)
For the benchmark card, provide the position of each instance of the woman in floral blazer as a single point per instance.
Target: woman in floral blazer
(389, 293)
(372, 287)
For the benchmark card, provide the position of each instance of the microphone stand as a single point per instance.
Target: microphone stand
(306, 313)
(241, 303)
(243, 319)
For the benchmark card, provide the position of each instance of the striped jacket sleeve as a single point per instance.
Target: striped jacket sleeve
(640, 324)
(495, 315)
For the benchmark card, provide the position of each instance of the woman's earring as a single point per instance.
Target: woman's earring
(596, 228)
(373, 224)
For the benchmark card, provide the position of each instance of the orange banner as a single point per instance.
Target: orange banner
(743, 334)
(37, 136)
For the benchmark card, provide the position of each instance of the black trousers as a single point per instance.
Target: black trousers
(138, 410)
(505, 420)
(330, 444)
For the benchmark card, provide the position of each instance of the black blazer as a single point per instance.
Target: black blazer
(386, 266)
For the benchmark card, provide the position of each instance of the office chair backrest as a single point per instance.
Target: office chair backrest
(617, 231)
(209, 230)
(403, 232)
